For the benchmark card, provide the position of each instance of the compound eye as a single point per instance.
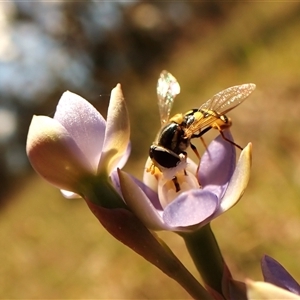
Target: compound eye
(163, 157)
(152, 151)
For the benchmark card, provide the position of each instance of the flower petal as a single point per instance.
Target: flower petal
(152, 196)
(117, 132)
(263, 290)
(114, 177)
(152, 180)
(217, 165)
(238, 181)
(190, 208)
(84, 123)
(124, 158)
(70, 195)
(148, 178)
(275, 273)
(54, 154)
(139, 203)
(167, 190)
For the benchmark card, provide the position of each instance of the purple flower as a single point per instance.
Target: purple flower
(279, 284)
(258, 290)
(217, 186)
(276, 274)
(77, 143)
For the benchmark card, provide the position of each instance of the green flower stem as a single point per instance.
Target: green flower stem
(207, 257)
(100, 191)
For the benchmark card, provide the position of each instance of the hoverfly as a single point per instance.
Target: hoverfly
(168, 151)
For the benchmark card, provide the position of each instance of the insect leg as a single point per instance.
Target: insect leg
(225, 138)
(231, 142)
(195, 150)
(177, 186)
(195, 135)
(200, 136)
(203, 142)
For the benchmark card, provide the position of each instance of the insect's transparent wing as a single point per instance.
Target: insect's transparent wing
(219, 105)
(228, 99)
(167, 89)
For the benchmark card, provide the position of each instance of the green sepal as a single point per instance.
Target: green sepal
(100, 191)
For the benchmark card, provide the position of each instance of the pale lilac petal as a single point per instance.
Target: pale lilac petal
(257, 290)
(124, 158)
(276, 274)
(167, 190)
(84, 123)
(70, 195)
(54, 154)
(217, 165)
(152, 180)
(114, 177)
(190, 208)
(140, 204)
(148, 178)
(238, 181)
(117, 132)
(192, 166)
(152, 196)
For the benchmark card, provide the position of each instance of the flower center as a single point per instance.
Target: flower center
(167, 189)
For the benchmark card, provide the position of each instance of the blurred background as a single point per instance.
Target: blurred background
(55, 248)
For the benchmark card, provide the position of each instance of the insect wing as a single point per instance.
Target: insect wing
(228, 99)
(220, 104)
(167, 89)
